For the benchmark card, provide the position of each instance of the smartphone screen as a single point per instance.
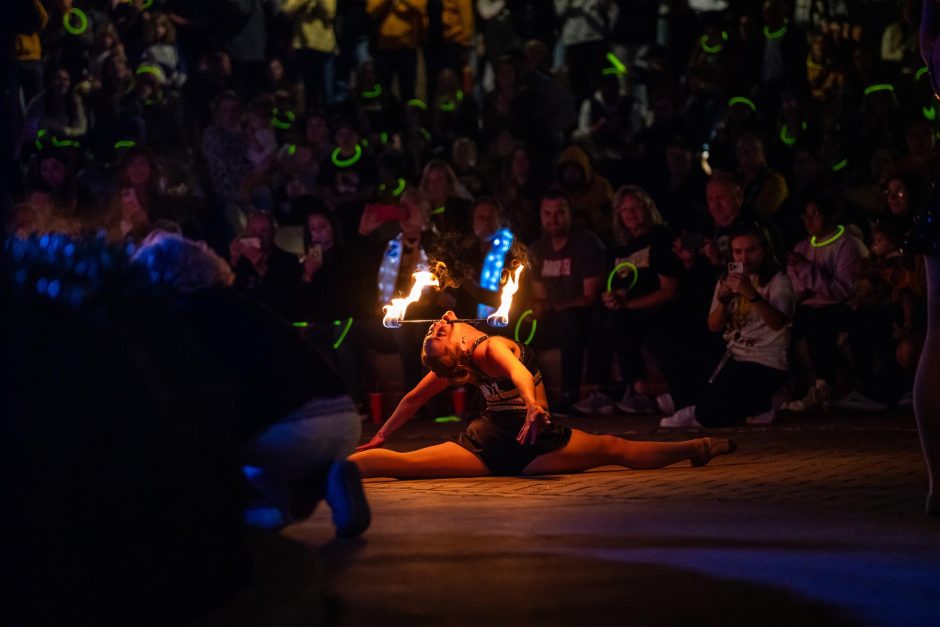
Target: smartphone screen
(736, 267)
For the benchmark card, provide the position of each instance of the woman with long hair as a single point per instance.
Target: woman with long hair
(515, 434)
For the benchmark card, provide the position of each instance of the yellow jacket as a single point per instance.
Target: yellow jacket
(28, 47)
(313, 24)
(457, 18)
(402, 23)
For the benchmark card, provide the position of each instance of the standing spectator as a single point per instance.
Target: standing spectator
(450, 33)
(566, 283)
(589, 193)
(679, 190)
(752, 307)
(247, 44)
(784, 57)
(823, 269)
(314, 42)
(401, 26)
(262, 270)
(585, 28)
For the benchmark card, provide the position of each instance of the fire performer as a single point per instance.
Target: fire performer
(515, 434)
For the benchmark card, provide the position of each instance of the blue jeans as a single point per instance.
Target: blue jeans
(303, 443)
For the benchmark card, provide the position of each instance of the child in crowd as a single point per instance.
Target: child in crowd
(884, 315)
(823, 269)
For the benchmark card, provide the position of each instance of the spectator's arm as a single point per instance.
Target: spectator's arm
(540, 298)
(841, 285)
(591, 292)
(79, 125)
(667, 292)
(718, 314)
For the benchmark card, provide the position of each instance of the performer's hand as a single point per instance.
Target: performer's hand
(535, 415)
(377, 441)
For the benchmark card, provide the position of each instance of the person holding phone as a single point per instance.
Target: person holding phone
(263, 270)
(752, 307)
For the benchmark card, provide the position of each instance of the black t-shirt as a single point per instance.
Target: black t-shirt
(271, 369)
(651, 254)
(563, 271)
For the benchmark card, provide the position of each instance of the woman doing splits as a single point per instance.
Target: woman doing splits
(515, 434)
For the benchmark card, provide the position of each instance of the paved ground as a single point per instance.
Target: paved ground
(815, 521)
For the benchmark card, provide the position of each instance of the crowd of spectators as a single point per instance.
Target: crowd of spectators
(628, 151)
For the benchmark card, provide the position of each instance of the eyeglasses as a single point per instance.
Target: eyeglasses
(896, 194)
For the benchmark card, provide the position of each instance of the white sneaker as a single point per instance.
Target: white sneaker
(815, 397)
(595, 403)
(636, 403)
(665, 404)
(857, 402)
(685, 417)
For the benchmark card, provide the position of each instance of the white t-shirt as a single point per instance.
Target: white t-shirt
(748, 336)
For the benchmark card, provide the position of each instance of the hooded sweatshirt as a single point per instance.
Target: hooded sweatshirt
(591, 202)
(831, 271)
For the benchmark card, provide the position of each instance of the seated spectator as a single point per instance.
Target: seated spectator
(262, 270)
(765, 190)
(160, 37)
(885, 313)
(679, 189)
(160, 110)
(752, 307)
(589, 193)
(58, 109)
(52, 170)
(293, 429)
(450, 202)
(320, 299)
(904, 195)
(567, 276)
(137, 201)
(454, 114)
(463, 160)
(607, 120)
(823, 270)
(520, 185)
(638, 311)
(347, 178)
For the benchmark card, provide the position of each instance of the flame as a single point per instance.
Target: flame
(500, 317)
(395, 312)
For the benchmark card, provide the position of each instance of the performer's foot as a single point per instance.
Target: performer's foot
(347, 500)
(712, 448)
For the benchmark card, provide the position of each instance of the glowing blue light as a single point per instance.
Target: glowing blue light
(54, 289)
(20, 276)
(42, 285)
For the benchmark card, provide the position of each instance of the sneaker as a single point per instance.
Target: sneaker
(666, 405)
(636, 403)
(685, 417)
(347, 500)
(777, 402)
(595, 403)
(857, 402)
(815, 398)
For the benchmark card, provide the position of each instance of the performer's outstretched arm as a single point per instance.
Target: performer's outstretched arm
(428, 387)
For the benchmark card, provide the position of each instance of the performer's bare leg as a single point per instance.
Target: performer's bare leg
(442, 460)
(585, 451)
(927, 388)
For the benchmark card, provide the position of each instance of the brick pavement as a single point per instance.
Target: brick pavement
(814, 521)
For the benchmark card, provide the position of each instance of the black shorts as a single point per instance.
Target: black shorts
(492, 438)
